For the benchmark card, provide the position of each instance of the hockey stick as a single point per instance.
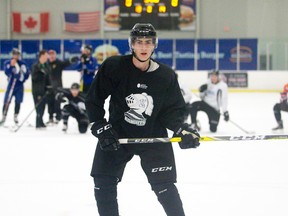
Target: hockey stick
(204, 138)
(239, 127)
(34, 108)
(9, 99)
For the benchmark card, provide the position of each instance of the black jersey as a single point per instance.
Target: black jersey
(66, 93)
(142, 104)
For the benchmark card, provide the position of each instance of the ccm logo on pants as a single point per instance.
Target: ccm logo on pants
(161, 169)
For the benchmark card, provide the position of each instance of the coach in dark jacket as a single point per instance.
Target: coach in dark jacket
(56, 68)
(40, 86)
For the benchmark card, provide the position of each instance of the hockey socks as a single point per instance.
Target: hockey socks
(169, 198)
(105, 191)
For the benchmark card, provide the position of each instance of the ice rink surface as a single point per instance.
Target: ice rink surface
(47, 172)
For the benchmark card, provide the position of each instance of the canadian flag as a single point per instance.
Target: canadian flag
(30, 23)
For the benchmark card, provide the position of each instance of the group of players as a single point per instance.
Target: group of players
(47, 87)
(139, 108)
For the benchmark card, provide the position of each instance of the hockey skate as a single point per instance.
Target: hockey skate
(16, 119)
(65, 127)
(3, 120)
(56, 121)
(279, 127)
(50, 122)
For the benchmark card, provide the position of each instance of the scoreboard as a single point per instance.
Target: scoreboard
(163, 14)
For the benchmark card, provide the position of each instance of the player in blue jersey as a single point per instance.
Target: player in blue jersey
(17, 73)
(87, 66)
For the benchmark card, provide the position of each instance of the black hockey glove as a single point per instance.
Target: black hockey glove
(74, 59)
(203, 88)
(84, 58)
(107, 136)
(190, 137)
(226, 116)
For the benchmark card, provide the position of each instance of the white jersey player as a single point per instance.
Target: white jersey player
(214, 97)
(215, 93)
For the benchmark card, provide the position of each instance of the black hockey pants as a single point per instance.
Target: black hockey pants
(213, 115)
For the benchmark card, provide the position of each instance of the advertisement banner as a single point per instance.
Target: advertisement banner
(30, 50)
(185, 54)
(188, 15)
(53, 45)
(95, 48)
(6, 47)
(235, 79)
(164, 52)
(122, 46)
(227, 55)
(163, 14)
(206, 54)
(72, 48)
(248, 54)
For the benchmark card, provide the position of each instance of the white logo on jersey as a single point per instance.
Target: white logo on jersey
(143, 86)
(138, 104)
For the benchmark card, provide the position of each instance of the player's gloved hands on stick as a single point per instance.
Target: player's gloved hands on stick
(107, 136)
(190, 137)
(226, 116)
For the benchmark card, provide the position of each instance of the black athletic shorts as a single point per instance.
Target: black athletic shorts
(157, 161)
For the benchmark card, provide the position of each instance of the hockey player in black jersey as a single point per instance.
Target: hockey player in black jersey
(74, 106)
(145, 101)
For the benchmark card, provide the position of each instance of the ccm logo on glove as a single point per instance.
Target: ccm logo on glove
(106, 127)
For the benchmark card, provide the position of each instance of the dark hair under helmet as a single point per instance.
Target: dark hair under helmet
(143, 30)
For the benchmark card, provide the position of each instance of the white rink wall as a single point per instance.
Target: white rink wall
(257, 80)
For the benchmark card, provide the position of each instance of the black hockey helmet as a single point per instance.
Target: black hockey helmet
(75, 86)
(214, 72)
(16, 51)
(143, 30)
(88, 47)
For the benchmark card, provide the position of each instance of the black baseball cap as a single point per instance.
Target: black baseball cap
(75, 86)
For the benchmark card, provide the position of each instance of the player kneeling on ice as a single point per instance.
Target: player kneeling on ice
(281, 106)
(74, 106)
(145, 100)
(214, 95)
(17, 73)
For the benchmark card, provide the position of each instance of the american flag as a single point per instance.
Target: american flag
(82, 22)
